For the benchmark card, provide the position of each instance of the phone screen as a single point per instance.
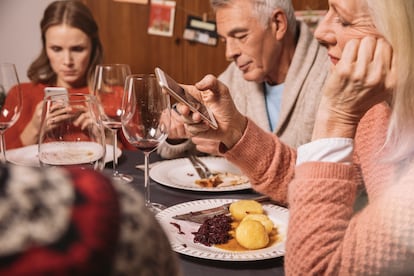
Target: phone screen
(56, 93)
(180, 94)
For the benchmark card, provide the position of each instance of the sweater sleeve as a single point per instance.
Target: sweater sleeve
(326, 238)
(265, 160)
(170, 151)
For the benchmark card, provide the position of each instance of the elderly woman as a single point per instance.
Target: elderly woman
(363, 136)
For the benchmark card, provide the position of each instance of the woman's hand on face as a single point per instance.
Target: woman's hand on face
(231, 123)
(364, 77)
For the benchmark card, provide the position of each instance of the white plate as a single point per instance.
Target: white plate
(183, 243)
(28, 156)
(179, 173)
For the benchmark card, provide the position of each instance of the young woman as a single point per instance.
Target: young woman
(71, 50)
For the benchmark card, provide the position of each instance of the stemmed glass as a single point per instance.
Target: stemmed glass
(145, 121)
(108, 88)
(71, 133)
(10, 102)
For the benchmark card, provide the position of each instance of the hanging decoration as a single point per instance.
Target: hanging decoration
(161, 21)
(200, 30)
(161, 17)
(133, 1)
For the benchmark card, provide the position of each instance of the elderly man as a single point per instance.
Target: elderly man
(276, 74)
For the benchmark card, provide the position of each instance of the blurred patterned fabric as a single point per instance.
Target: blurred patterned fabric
(73, 221)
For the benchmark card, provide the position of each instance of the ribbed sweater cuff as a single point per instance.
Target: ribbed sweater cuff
(327, 170)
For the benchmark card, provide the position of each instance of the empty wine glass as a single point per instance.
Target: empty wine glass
(10, 102)
(145, 121)
(108, 88)
(71, 133)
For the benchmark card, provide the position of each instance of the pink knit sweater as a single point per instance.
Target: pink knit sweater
(325, 236)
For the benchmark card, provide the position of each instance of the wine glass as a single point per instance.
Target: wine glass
(108, 88)
(145, 121)
(10, 102)
(71, 132)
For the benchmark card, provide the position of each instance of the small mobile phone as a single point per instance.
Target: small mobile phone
(56, 93)
(183, 96)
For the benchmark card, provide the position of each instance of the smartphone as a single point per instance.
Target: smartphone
(181, 95)
(56, 93)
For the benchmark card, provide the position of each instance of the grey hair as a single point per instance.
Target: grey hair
(263, 10)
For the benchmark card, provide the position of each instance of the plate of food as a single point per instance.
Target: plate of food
(180, 173)
(28, 156)
(184, 236)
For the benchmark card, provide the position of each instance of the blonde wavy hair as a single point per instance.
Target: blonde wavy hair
(395, 20)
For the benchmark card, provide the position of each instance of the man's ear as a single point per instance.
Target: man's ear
(279, 23)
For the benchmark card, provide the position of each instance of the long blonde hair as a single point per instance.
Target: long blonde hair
(395, 20)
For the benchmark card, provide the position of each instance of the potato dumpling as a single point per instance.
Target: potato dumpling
(263, 219)
(239, 209)
(251, 234)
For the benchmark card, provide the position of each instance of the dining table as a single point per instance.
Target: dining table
(169, 196)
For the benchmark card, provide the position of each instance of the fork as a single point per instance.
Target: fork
(201, 168)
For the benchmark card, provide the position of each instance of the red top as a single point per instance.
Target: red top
(32, 94)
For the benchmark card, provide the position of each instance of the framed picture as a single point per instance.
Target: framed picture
(133, 1)
(201, 30)
(161, 18)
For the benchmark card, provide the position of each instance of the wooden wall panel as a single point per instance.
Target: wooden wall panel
(310, 4)
(123, 31)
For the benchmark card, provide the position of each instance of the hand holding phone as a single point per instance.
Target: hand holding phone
(183, 96)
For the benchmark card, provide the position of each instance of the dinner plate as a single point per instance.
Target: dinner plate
(181, 237)
(179, 173)
(28, 156)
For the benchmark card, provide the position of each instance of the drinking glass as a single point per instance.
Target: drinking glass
(71, 132)
(145, 121)
(10, 102)
(108, 88)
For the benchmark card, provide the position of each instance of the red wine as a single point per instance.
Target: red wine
(146, 146)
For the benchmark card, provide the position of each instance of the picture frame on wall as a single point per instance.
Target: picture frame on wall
(161, 17)
(134, 1)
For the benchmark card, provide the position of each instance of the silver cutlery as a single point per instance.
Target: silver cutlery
(202, 215)
(202, 170)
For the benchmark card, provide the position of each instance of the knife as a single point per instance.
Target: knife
(202, 215)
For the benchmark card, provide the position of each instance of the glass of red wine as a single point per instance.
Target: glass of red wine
(145, 120)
